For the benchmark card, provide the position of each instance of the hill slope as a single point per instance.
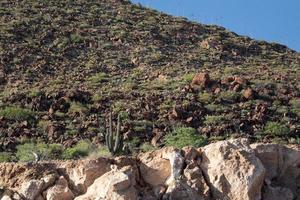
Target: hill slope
(64, 65)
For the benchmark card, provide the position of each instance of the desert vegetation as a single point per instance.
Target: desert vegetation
(65, 66)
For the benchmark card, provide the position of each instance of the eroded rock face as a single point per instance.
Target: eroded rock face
(60, 191)
(83, 173)
(282, 164)
(114, 185)
(31, 189)
(232, 170)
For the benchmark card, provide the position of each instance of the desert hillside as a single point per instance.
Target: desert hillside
(65, 65)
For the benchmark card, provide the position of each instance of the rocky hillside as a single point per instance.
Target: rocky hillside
(65, 64)
(226, 170)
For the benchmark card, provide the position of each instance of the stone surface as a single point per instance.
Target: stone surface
(277, 193)
(232, 170)
(281, 163)
(114, 185)
(155, 167)
(85, 172)
(60, 191)
(201, 79)
(31, 189)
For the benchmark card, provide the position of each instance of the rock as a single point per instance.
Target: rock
(227, 80)
(201, 79)
(114, 185)
(271, 157)
(178, 190)
(195, 180)
(248, 93)
(277, 193)
(6, 197)
(60, 191)
(155, 169)
(86, 172)
(31, 189)
(281, 163)
(232, 170)
(160, 165)
(156, 139)
(49, 180)
(40, 197)
(239, 80)
(191, 154)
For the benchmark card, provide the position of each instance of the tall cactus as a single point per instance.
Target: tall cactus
(114, 140)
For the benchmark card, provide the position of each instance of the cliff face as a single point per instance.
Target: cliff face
(232, 170)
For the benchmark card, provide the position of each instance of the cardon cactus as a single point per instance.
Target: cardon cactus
(114, 140)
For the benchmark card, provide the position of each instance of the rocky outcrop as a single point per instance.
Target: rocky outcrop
(233, 170)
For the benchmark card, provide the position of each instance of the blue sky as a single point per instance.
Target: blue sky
(270, 20)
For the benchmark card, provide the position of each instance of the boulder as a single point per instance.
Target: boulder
(60, 191)
(248, 93)
(83, 173)
(31, 189)
(113, 185)
(196, 182)
(277, 193)
(281, 163)
(232, 170)
(201, 79)
(158, 166)
(6, 197)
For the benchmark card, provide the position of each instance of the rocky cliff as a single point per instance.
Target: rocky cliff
(233, 170)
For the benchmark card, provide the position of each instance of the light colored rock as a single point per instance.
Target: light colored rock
(277, 193)
(161, 166)
(60, 191)
(31, 189)
(271, 157)
(83, 173)
(178, 190)
(195, 180)
(49, 180)
(232, 170)
(282, 165)
(6, 197)
(155, 167)
(114, 185)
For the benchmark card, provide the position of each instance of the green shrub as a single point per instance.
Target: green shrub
(98, 78)
(188, 77)
(81, 149)
(77, 107)
(229, 95)
(276, 129)
(145, 147)
(5, 157)
(205, 97)
(16, 113)
(214, 119)
(295, 104)
(183, 136)
(45, 151)
(100, 151)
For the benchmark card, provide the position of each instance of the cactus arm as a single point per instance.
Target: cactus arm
(111, 136)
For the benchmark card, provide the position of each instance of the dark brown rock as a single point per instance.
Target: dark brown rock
(201, 79)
